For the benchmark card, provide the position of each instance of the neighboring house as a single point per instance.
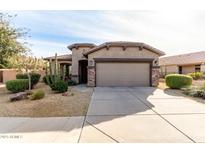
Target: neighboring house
(183, 64)
(112, 64)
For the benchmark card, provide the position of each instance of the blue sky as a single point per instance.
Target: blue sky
(172, 32)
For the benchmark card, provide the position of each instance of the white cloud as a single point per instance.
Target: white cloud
(171, 31)
(42, 48)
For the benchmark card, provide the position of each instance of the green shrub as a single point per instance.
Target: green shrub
(71, 83)
(35, 77)
(48, 79)
(59, 86)
(17, 85)
(196, 75)
(44, 80)
(177, 81)
(37, 95)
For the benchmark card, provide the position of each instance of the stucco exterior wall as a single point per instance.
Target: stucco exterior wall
(188, 69)
(202, 68)
(169, 69)
(8, 74)
(175, 69)
(118, 52)
(77, 54)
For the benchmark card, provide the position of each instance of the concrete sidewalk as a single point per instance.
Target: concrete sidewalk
(52, 129)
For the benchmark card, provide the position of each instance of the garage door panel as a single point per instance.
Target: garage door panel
(122, 74)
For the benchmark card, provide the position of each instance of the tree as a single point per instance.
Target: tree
(10, 37)
(23, 63)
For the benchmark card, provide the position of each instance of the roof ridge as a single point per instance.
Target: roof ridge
(188, 58)
(124, 43)
(197, 52)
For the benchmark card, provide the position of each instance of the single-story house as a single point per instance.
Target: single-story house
(183, 64)
(112, 64)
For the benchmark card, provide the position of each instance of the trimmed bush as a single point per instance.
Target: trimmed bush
(17, 85)
(37, 95)
(177, 81)
(196, 75)
(35, 77)
(60, 86)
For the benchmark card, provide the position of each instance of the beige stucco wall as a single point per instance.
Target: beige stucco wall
(188, 69)
(162, 71)
(118, 52)
(77, 54)
(8, 74)
(202, 68)
(185, 69)
(171, 69)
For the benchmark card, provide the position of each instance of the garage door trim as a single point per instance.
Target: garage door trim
(125, 60)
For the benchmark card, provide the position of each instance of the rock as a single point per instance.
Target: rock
(65, 94)
(18, 96)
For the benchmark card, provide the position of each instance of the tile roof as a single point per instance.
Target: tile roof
(183, 59)
(124, 44)
(76, 45)
(61, 57)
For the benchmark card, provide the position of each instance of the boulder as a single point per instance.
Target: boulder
(18, 96)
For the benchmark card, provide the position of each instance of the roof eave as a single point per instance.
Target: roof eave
(75, 45)
(160, 53)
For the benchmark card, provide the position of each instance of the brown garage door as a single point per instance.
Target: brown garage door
(122, 74)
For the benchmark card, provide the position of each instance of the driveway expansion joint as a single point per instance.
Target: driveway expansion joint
(102, 132)
(81, 129)
(163, 118)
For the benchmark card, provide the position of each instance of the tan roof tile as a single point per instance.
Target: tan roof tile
(183, 59)
(124, 44)
(60, 57)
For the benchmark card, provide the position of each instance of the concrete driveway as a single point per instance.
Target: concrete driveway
(117, 115)
(142, 115)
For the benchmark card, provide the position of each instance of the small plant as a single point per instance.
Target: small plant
(44, 79)
(196, 75)
(37, 95)
(194, 91)
(49, 79)
(35, 77)
(60, 86)
(18, 85)
(71, 82)
(202, 87)
(178, 81)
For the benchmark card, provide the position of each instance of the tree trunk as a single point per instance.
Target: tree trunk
(29, 81)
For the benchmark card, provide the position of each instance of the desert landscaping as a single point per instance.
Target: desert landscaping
(52, 105)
